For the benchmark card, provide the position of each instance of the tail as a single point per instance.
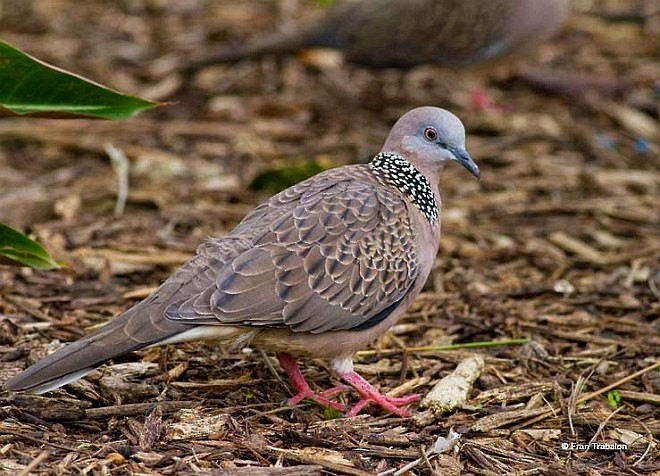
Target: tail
(275, 44)
(326, 32)
(139, 327)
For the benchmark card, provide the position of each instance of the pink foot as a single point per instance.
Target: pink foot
(480, 101)
(370, 394)
(288, 363)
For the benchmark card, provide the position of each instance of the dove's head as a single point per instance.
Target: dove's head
(430, 136)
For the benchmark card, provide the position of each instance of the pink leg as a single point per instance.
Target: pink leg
(370, 394)
(288, 363)
(480, 101)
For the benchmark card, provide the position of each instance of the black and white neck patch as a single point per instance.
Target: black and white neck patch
(397, 171)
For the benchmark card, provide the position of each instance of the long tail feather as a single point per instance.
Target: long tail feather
(128, 332)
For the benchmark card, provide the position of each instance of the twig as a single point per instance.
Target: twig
(35, 462)
(272, 370)
(438, 348)
(425, 459)
(120, 166)
(442, 445)
(592, 395)
(42, 442)
(649, 435)
(640, 396)
(133, 409)
(573, 400)
(619, 382)
(603, 424)
(328, 464)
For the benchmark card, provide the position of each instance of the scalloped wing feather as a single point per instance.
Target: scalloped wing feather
(328, 254)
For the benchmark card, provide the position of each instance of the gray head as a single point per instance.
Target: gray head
(430, 136)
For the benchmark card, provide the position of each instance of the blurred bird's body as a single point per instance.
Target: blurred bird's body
(406, 33)
(320, 269)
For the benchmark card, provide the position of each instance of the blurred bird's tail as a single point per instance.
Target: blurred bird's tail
(277, 44)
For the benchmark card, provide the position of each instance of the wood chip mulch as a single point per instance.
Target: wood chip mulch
(558, 247)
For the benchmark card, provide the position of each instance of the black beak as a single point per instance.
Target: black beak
(462, 157)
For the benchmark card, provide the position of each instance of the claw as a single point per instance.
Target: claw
(290, 366)
(317, 397)
(370, 394)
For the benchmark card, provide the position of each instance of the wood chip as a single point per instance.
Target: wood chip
(452, 391)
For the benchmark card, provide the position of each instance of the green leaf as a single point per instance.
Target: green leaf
(613, 399)
(34, 88)
(16, 249)
(330, 413)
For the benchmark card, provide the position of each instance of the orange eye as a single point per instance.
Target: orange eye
(430, 134)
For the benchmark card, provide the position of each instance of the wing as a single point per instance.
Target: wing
(334, 252)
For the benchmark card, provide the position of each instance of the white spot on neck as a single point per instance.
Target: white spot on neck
(394, 170)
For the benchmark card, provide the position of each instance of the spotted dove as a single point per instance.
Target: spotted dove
(405, 33)
(320, 269)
